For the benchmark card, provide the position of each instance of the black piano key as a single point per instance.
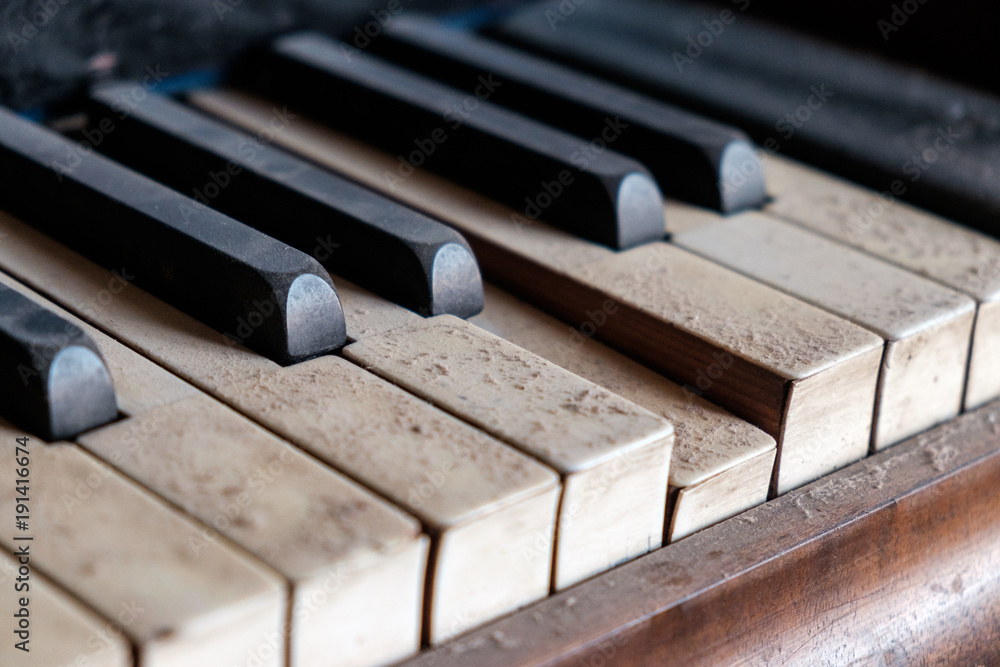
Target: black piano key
(898, 130)
(367, 238)
(52, 378)
(693, 159)
(252, 288)
(535, 169)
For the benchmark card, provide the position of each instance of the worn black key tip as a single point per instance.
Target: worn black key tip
(261, 293)
(53, 380)
(531, 167)
(457, 284)
(741, 176)
(369, 239)
(311, 315)
(639, 209)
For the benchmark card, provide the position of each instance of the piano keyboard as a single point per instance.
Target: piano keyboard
(311, 459)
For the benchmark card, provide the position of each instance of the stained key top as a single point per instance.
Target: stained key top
(693, 158)
(52, 377)
(368, 238)
(262, 293)
(538, 171)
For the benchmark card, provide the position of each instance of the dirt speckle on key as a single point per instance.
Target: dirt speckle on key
(561, 418)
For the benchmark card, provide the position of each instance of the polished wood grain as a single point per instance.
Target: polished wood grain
(892, 561)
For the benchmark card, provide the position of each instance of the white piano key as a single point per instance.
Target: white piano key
(485, 511)
(60, 630)
(927, 327)
(881, 224)
(720, 464)
(339, 547)
(787, 359)
(115, 546)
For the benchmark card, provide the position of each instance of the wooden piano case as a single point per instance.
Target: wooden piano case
(892, 561)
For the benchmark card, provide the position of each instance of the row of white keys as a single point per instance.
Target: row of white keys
(118, 547)
(352, 563)
(721, 465)
(56, 628)
(612, 455)
(886, 227)
(802, 375)
(483, 503)
(926, 326)
(490, 509)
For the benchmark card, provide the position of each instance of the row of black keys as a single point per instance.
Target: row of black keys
(208, 234)
(201, 213)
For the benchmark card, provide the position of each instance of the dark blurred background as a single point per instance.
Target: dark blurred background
(50, 48)
(955, 38)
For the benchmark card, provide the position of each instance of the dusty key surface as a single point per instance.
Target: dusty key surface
(61, 630)
(485, 504)
(720, 465)
(482, 509)
(355, 563)
(613, 455)
(804, 376)
(113, 545)
(800, 374)
(880, 224)
(927, 327)
(339, 547)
